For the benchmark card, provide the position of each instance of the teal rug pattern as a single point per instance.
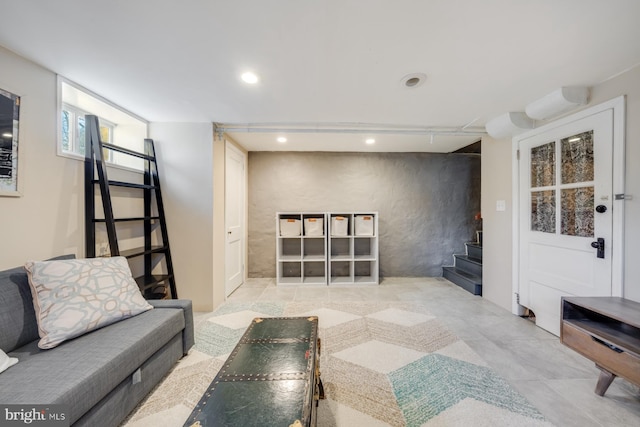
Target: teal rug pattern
(215, 339)
(435, 383)
(383, 364)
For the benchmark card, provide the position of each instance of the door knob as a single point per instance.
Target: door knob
(599, 245)
(601, 208)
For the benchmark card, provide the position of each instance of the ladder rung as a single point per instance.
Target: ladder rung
(157, 295)
(128, 184)
(144, 218)
(146, 282)
(127, 151)
(152, 285)
(131, 253)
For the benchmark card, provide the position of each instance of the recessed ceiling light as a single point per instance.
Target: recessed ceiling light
(370, 141)
(282, 139)
(7, 135)
(250, 78)
(413, 80)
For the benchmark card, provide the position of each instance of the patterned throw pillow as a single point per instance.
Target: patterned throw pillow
(73, 297)
(6, 362)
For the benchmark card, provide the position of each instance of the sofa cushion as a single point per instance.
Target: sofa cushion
(18, 325)
(73, 297)
(82, 371)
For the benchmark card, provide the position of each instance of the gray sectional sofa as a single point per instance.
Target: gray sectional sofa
(100, 376)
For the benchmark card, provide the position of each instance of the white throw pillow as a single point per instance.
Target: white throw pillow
(75, 296)
(6, 361)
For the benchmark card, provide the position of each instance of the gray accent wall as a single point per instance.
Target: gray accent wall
(426, 203)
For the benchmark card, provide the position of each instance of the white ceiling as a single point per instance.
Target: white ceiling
(328, 65)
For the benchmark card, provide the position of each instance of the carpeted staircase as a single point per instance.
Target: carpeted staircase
(466, 270)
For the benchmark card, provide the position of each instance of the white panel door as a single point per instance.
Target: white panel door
(566, 203)
(234, 218)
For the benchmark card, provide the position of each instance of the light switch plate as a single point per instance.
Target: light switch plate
(501, 205)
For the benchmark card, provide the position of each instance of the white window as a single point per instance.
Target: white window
(117, 126)
(73, 135)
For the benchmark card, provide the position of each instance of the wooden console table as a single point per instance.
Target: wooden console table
(605, 330)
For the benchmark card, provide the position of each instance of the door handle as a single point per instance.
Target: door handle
(599, 245)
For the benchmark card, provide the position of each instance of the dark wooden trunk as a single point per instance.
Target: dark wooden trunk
(270, 379)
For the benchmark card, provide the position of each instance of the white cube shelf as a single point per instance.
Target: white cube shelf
(332, 248)
(301, 258)
(353, 257)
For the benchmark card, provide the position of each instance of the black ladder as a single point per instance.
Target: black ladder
(153, 286)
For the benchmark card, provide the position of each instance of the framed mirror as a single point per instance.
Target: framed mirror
(9, 144)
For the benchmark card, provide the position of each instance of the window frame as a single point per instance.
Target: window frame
(141, 124)
(74, 141)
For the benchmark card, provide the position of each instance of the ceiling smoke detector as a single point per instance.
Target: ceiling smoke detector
(413, 80)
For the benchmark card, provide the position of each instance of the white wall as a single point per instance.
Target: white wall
(496, 185)
(48, 219)
(496, 225)
(185, 156)
(628, 84)
(219, 231)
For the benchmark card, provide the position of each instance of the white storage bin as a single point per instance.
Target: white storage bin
(313, 227)
(339, 226)
(290, 227)
(364, 225)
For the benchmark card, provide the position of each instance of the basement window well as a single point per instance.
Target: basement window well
(117, 126)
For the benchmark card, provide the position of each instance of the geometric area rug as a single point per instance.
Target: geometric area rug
(382, 364)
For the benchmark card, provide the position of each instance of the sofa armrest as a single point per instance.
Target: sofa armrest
(188, 338)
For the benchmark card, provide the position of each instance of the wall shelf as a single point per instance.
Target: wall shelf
(353, 245)
(301, 248)
(327, 248)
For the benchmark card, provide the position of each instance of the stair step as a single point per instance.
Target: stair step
(469, 282)
(468, 264)
(474, 251)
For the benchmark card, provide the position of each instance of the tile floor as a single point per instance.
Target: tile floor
(558, 381)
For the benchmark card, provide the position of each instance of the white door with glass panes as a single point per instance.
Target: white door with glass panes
(566, 204)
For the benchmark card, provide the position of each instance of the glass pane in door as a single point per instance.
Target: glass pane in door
(543, 165)
(577, 158)
(543, 211)
(577, 212)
